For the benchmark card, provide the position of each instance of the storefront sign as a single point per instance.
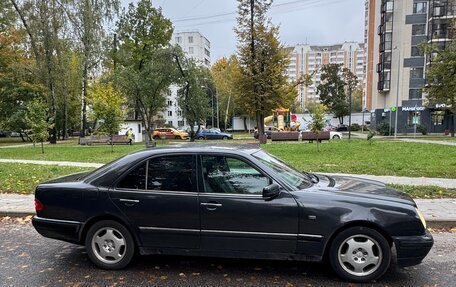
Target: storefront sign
(442, 106)
(413, 109)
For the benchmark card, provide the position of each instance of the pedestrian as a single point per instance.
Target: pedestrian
(130, 136)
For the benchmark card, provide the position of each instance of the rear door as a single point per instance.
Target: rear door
(159, 197)
(235, 216)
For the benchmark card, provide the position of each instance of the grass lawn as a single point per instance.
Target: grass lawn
(11, 141)
(23, 178)
(358, 156)
(379, 158)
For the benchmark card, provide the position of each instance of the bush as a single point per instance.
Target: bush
(355, 127)
(384, 129)
(421, 129)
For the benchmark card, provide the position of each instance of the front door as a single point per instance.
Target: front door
(159, 197)
(235, 216)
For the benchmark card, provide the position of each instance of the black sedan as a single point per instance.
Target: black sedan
(231, 201)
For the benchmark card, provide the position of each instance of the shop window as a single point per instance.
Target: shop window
(438, 117)
(413, 118)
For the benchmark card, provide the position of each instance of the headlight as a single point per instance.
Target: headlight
(421, 217)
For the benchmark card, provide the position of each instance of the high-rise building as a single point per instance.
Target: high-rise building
(195, 46)
(396, 66)
(307, 59)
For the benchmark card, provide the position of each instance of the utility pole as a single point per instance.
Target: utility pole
(350, 117)
(397, 91)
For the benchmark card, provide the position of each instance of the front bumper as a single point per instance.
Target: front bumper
(57, 229)
(411, 250)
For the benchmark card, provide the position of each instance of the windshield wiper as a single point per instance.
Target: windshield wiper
(312, 177)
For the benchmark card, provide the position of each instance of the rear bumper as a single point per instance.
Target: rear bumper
(58, 229)
(411, 250)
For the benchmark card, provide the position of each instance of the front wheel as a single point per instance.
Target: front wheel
(109, 245)
(225, 138)
(336, 137)
(201, 138)
(360, 254)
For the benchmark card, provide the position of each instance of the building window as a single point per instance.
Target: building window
(180, 123)
(190, 50)
(416, 52)
(170, 113)
(179, 39)
(190, 39)
(413, 118)
(419, 8)
(418, 30)
(416, 73)
(179, 113)
(415, 94)
(206, 51)
(170, 123)
(438, 117)
(170, 103)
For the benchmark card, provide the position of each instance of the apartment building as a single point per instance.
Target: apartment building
(395, 65)
(195, 46)
(308, 59)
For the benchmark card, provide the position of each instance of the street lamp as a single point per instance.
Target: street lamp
(397, 89)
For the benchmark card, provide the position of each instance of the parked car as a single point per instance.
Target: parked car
(169, 133)
(342, 128)
(210, 134)
(231, 200)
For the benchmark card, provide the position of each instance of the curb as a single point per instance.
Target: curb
(15, 213)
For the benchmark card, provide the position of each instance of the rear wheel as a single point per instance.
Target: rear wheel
(201, 138)
(360, 254)
(177, 137)
(109, 245)
(225, 138)
(336, 137)
(156, 137)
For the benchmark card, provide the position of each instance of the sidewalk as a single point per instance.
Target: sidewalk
(439, 213)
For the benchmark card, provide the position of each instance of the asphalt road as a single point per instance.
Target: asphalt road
(27, 259)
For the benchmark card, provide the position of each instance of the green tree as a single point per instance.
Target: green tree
(263, 60)
(36, 119)
(441, 75)
(108, 108)
(337, 84)
(225, 73)
(146, 64)
(194, 95)
(318, 121)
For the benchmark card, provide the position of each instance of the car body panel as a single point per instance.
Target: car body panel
(210, 134)
(298, 224)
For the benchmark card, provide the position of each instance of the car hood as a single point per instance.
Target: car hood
(359, 187)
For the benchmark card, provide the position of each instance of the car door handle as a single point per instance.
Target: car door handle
(211, 205)
(129, 202)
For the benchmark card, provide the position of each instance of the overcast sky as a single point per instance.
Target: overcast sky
(317, 22)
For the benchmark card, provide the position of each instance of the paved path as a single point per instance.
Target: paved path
(450, 143)
(438, 212)
(48, 162)
(402, 180)
(19, 145)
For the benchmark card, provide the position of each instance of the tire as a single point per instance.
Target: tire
(353, 248)
(201, 138)
(156, 137)
(224, 138)
(109, 245)
(177, 137)
(336, 137)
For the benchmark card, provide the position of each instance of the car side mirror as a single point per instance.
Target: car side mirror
(271, 191)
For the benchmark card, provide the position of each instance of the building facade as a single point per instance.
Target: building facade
(307, 59)
(396, 66)
(197, 47)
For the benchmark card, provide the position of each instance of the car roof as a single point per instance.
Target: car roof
(247, 148)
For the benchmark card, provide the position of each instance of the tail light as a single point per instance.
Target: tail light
(38, 205)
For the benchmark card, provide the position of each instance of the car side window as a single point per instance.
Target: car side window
(171, 173)
(231, 175)
(135, 179)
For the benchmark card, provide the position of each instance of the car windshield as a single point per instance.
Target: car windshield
(285, 172)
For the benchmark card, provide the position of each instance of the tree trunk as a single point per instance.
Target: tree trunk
(245, 124)
(42, 147)
(227, 110)
(453, 124)
(83, 101)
